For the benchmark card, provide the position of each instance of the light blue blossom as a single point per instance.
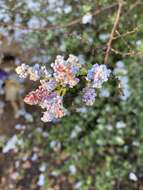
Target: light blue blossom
(41, 180)
(97, 75)
(49, 85)
(87, 18)
(89, 96)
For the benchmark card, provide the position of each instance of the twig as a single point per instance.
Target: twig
(138, 2)
(56, 26)
(113, 32)
(131, 53)
(136, 29)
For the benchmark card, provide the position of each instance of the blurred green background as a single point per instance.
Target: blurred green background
(94, 148)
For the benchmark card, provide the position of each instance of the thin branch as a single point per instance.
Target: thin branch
(136, 29)
(113, 32)
(56, 26)
(131, 53)
(138, 2)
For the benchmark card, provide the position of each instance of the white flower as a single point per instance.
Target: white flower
(67, 9)
(119, 140)
(105, 93)
(5, 16)
(11, 144)
(45, 134)
(121, 72)
(28, 117)
(125, 87)
(120, 124)
(36, 22)
(81, 110)
(78, 185)
(18, 19)
(109, 127)
(75, 132)
(81, 59)
(19, 126)
(138, 42)
(72, 169)
(133, 177)
(55, 145)
(22, 70)
(126, 94)
(55, 173)
(120, 68)
(33, 5)
(41, 180)
(19, 34)
(136, 143)
(103, 37)
(87, 18)
(34, 157)
(39, 130)
(43, 167)
(120, 64)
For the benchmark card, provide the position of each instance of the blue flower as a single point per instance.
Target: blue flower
(3, 75)
(49, 85)
(89, 96)
(97, 75)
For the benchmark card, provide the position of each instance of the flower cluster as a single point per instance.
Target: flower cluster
(34, 73)
(65, 71)
(50, 101)
(64, 75)
(89, 96)
(54, 106)
(97, 75)
(37, 96)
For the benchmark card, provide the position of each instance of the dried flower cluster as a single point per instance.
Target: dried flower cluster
(65, 74)
(34, 73)
(65, 71)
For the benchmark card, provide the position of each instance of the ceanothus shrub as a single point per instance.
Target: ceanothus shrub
(54, 84)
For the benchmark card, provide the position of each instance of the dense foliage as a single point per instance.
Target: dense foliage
(97, 147)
